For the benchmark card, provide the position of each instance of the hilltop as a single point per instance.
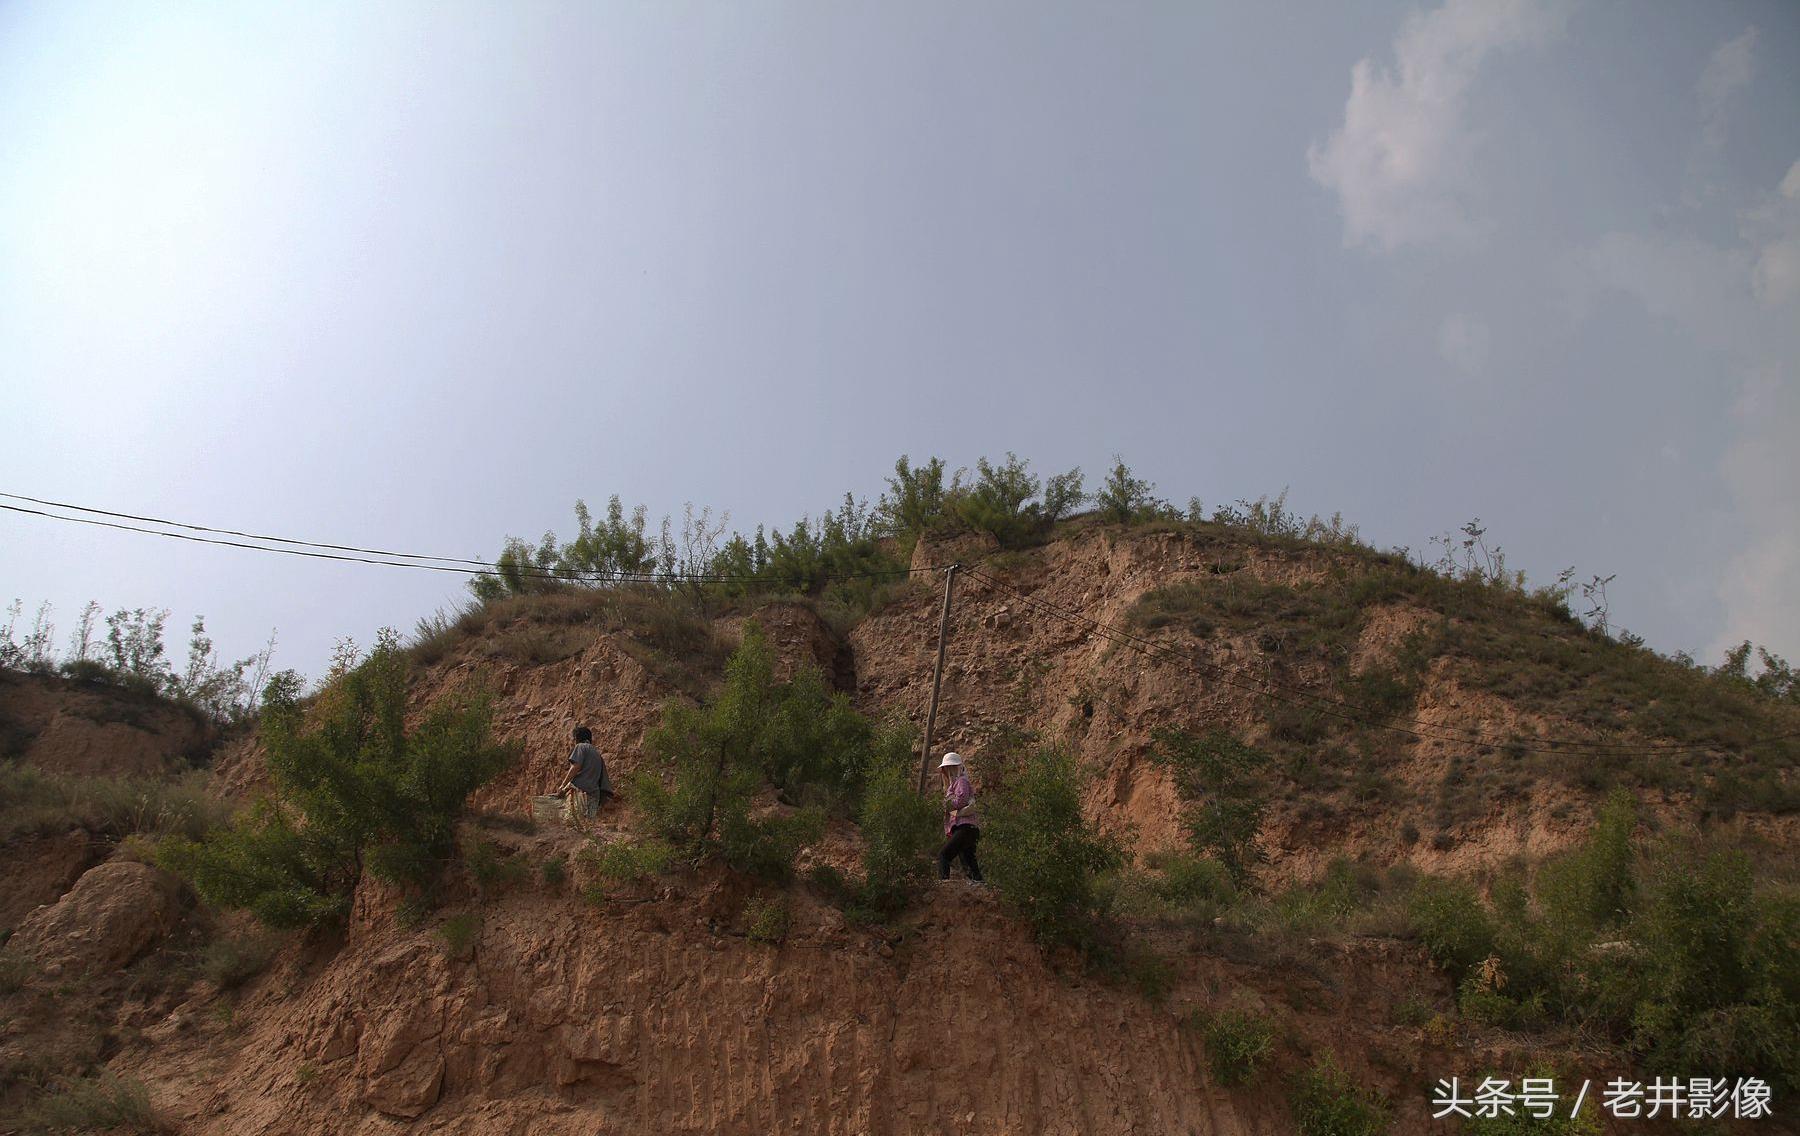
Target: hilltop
(1411, 726)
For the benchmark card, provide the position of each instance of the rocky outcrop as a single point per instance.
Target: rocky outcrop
(112, 916)
(39, 869)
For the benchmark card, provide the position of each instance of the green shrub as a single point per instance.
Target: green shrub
(1000, 501)
(1412, 1011)
(1187, 889)
(491, 871)
(230, 962)
(831, 884)
(753, 732)
(355, 788)
(1218, 778)
(1045, 855)
(104, 1102)
(1326, 1102)
(1133, 963)
(1122, 498)
(624, 862)
(1451, 921)
(1594, 887)
(1679, 955)
(1192, 882)
(459, 934)
(1721, 978)
(555, 870)
(1238, 1043)
(914, 502)
(899, 829)
(766, 920)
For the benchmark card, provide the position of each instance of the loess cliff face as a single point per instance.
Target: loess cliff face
(656, 1012)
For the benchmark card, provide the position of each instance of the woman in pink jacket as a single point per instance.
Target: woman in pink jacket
(961, 826)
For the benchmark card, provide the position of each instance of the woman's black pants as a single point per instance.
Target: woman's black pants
(963, 839)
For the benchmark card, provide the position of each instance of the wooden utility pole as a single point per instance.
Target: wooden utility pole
(937, 677)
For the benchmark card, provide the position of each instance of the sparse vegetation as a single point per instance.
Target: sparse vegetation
(766, 919)
(1219, 779)
(233, 960)
(555, 870)
(132, 655)
(625, 862)
(491, 870)
(15, 971)
(459, 933)
(356, 789)
(35, 802)
(1673, 950)
(103, 1102)
(1238, 1044)
(1046, 857)
(1328, 1102)
(899, 830)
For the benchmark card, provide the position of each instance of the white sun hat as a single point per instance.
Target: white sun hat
(950, 759)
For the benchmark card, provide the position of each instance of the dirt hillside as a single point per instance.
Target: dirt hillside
(657, 1012)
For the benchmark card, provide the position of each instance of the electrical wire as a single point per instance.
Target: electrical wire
(453, 565)
(463, 566)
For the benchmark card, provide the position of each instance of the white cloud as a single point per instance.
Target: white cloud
(1742, 301)
(1728, 71)
(1402, 163)
(1777, 278)
(1463, 341)
(1760, 590)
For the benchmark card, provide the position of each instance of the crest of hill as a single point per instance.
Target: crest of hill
(1411, 717)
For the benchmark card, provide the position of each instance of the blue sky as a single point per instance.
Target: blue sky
(420, 275)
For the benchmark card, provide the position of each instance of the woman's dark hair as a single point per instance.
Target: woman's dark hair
(583, 734)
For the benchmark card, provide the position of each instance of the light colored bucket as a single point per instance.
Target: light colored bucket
(548, 810)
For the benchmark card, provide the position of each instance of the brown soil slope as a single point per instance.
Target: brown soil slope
(655, 1012)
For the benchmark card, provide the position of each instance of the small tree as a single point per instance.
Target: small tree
(915, 498)
(755, 732)
(355, 789)
(1001, 502)
(1046, 855)
(899, 828)
(134, 642)
(612, 549)
(1218, 776)
(1123, 498)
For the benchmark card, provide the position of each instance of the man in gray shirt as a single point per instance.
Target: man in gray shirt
(587, 772)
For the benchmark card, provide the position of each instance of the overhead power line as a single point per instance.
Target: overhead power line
(464, 566)
(1349, 711)
(461, 566)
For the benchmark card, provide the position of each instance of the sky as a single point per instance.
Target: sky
(420, 275)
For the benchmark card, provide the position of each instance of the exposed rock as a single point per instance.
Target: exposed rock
(112, 915)
(40, 869)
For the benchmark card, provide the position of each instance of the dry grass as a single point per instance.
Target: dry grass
(35, 802)
(664, 630)
(102, 1103)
